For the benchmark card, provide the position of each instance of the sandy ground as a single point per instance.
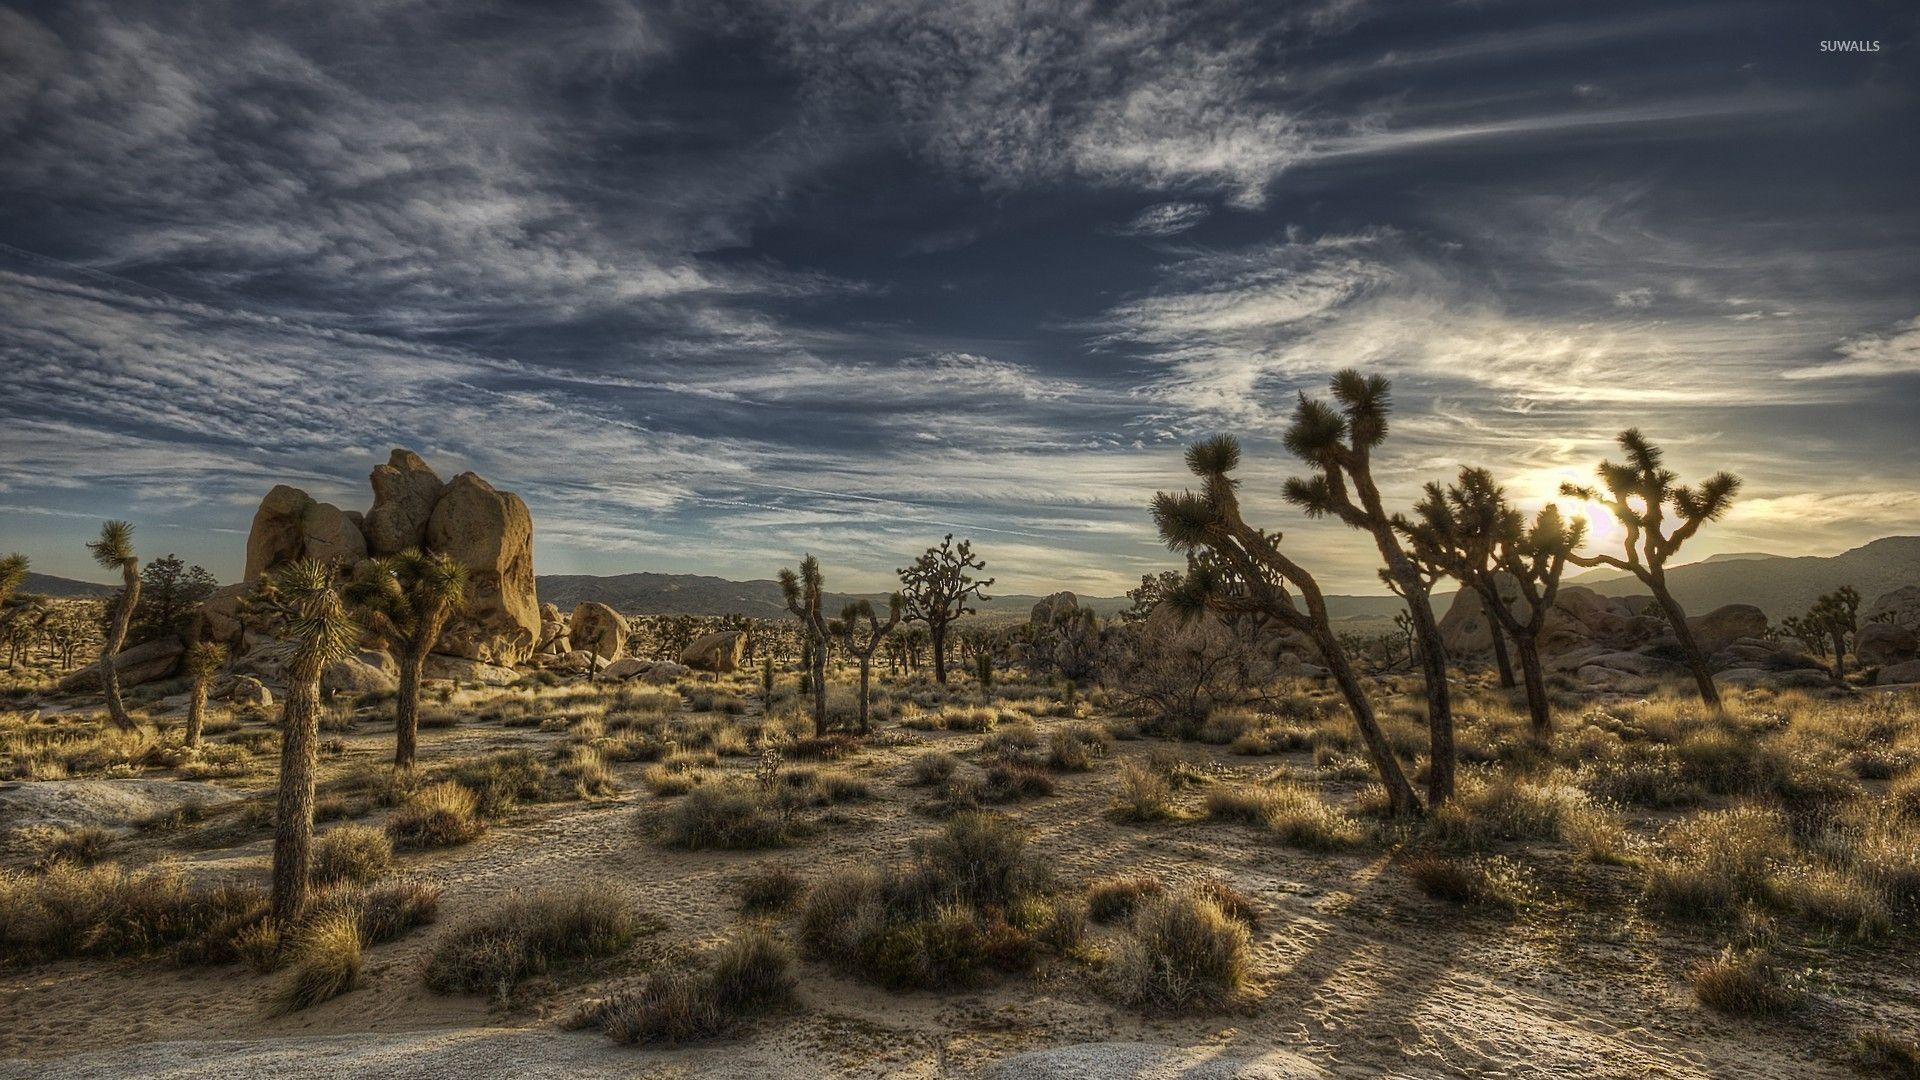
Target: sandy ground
(1361, 974)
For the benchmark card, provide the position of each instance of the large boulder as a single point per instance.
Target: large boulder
(290, 524)
(719, 651)
(242, 690)
(220, 614)
(597, 628)
(555, 636)
(143, 663)
(663, 672)
(576, 662)
(367, 671)
(107, 804)
(1581, 618)
(463, 670)
(405, 490)
(1054, 608)
(1467, 628)
(1902, 605)
(1772, 680)
(1880, 643)
(490, 533)
(1725, 625)
(1896, 674)
(625, 668)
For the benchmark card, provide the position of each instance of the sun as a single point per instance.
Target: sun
(1534, 489)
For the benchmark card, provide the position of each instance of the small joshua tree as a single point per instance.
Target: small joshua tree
(802, 592)
(13, 574)
(1339, 442)
(408, 598)
(301, 607)
(203, 661)
(114, 551)
(1837, 615)
(1641, 492)
(937, 588)
(1244, 572)
(1473, 534)
(766, 681)
(861, 632)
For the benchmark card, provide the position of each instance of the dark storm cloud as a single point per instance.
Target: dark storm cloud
(710, 284)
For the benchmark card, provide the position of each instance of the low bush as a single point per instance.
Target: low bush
(934, 767)
(351, 853)
(749, 975)
(1182, 950)
(1145, 794)
(735, 815)
(528, 934)
(326, 961)
(1495, 882)
(1743, 982)
(1292, 812)
(438, 815)
(770, 889)
(1113, 898)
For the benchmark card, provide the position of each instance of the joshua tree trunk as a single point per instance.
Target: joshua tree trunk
(866, 670)
(1500, 659)
(1433, 667)
(116, 639)
(293, 832)
(939, 636)
(820, 690)
(1401, 800)
(196, 712)
(406, 708)
(1839, 657)
(1537, 708)
(1690, 648)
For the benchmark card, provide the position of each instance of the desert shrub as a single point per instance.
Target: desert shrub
(667, 782)
(751, 974)
(829, 747)
(1073, 749)
(770, 888)
(105, 910)
(1290, 811)
(1712, 863)
(1180, 950)
(1113, 898)
(732, 816)
(1826, 894)
(1236, 904)
(1007, 782)
(392, 908)
(821, 787)
(933, 767)
(1638, 776)
(1495, 882)
(438, 815)
(1511, 809)
(1884, 1052)
(326, 961)
(501, 781)
(1145, 794)
(977, 720)
(1743, 982)
(49, 844)
(586, 769)
(351, 853)
(528, 934)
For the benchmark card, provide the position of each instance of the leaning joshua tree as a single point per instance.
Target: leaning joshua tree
(1339, 442)
(1640, 492)
(407, 599)
(802, 593)
(1237, 569)
(937, 587)
(1472, 532)
(861, 632)
(299, 605)
(203, 661)
(114, 551)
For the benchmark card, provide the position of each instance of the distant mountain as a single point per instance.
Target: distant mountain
(1776, 584)
(64, 588)
(699, 594)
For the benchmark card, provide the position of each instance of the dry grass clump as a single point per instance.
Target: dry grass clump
(438, 815)
(522, 935)
(1884, 1052)
(1743, 982)
(770, 889)
(586, 769)
(45, 845)
(1073, 749)
(107, 910)
(1182, 949)
(732, 815)
(326, 961)
(1496, 882)
(1113, 898)
(351, 853)
(667, 781)
(969, 898)
(933, 767)
(1292, 812)
(1713, 863)
(1510, 809)
(1144, 794)
(747, 976)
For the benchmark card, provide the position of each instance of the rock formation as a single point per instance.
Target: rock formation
(597, 628)
(404, 493)
(719, 651)
(291, 525)
(555, 635)
(1051, 609)
(491, 534)
(1902, 605)
(1880, 643)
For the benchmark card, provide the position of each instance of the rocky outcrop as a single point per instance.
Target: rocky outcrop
(463, 670)
(220, 615)
(1902, 606)
(1725, 625)
(1880, 643)
(597, 628)
(1897, 674)
(241, 691)
(405, 491)
(555, 636)
(143, 663)
(1054, 608)
(107, 804)
(290, 525)
(368, 671)
(626, 668)
(719, 651)
(489, 532)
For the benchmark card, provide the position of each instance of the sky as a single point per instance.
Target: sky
(714, 284)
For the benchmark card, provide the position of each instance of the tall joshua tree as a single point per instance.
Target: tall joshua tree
(1641, 492)
(802, 592)
(1237, 569)
(861, 632)
(114, 551)
(1837, 615)
(301, 606)
(1472, 532)
(937, 588)
(1339, 442)
(203, 661)
(408, 598)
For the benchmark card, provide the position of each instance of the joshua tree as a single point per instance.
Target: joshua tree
(937, 587)
(1339, 442)
(1837, 615)
(802, 592)
(13, 574)
(861, 632)
(1640, 493)
(407, 598)
(1245, 572)
(300, 604)
(1472, 532)
(114, 551)
(1810, 633)
(203, 661)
